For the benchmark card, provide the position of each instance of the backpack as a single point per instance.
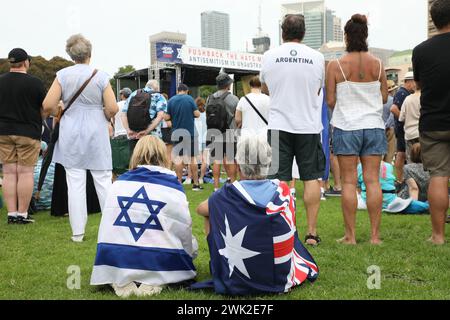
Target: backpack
(217, 116)
(139, 111)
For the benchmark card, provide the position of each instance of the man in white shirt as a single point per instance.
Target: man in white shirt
(410, 116)
(247, 118)
(293, 74)
(119, 129)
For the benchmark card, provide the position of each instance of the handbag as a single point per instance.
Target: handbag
(257, 111)
(55, 133)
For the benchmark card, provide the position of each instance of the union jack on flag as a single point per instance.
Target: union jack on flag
(255, 249)
(287, 246)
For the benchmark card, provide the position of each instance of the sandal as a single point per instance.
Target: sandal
(315, 238)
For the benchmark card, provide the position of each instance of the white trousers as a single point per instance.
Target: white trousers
(76, 187)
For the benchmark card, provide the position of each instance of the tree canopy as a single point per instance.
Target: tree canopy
(42, 68)
(122, 70)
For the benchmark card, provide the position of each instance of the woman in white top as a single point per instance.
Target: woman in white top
(357, 90)
(247, 119)
(83, 142)
(202, 131)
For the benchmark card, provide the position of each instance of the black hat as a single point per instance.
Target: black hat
(223, 80)
(18, 55)
(183, 87)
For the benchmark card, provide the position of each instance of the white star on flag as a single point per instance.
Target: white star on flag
(234, 252)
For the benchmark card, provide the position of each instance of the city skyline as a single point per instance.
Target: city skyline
(215, 30)
(321, 22)
(120, 40)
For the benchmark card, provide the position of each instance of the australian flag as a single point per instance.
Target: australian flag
(254, 249)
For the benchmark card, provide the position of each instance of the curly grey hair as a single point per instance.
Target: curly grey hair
(79, 48)
(254, 156)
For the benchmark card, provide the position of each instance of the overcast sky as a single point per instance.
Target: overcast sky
(119, 29)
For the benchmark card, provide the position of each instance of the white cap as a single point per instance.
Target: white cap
(398, 205)
(409, 76)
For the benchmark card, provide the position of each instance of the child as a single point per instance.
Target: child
(391, 202)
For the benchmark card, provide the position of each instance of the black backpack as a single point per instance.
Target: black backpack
(139, 111)
(217, 117)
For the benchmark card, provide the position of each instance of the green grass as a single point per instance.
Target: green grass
(34, 259)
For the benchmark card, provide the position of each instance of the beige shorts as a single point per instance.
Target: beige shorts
(21, 150)
(436, 152)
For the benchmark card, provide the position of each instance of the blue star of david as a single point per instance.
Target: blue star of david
(138, 229)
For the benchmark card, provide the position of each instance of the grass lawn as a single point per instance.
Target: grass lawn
(34, 259)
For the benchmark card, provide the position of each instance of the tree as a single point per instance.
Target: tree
(206, 91)
(122, 70)
(41, 68)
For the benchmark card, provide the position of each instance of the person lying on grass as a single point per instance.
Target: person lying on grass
(145, 237)
(252, 234)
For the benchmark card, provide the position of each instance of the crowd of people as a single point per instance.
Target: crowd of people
(302, 119)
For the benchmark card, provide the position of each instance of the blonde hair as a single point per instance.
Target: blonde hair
(149, 151)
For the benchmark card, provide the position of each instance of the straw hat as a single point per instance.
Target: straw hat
(391, 85)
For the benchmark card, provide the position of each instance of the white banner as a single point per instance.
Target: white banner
(221, 58)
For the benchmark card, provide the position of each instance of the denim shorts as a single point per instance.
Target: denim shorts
(361, 143)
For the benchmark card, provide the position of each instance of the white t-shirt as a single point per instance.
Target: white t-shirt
(251, 121)
(201, 129)
(119, 129)
(294, 74)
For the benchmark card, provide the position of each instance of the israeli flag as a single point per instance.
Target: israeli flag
(145, 234)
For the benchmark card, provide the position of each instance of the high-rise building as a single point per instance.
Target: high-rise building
(321, 25)
(432, 30)
(216, 30)
(169, 37)
(338, 33)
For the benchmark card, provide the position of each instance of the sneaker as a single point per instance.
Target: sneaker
(22, 220)
(333, 193)
(127, 291)
(187, 182)
(148, 291)
(78, 239)
(197, 188)
(12, 220)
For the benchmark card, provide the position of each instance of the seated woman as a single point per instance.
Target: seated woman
(145, 236)
(391, 202)
(416, 178)
(252, 234)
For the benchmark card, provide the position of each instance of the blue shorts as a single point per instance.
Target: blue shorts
(361, 143)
